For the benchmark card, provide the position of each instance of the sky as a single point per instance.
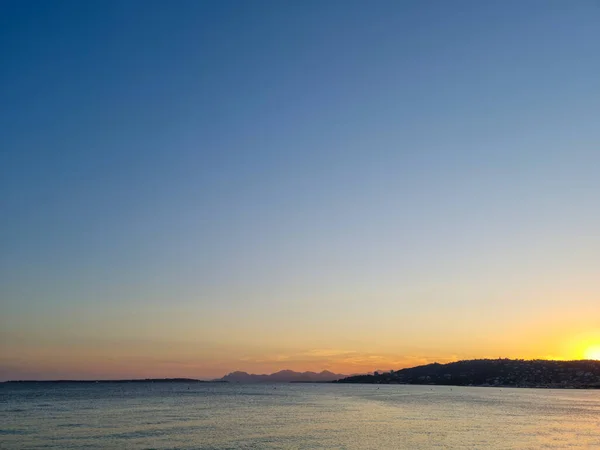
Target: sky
(195, 187)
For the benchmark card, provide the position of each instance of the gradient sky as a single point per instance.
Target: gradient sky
(189, 188)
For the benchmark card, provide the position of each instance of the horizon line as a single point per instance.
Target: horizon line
(220, 380)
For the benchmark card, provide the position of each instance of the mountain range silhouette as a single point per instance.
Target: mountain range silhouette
(283, 376)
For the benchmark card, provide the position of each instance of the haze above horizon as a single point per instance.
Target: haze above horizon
(194, 188)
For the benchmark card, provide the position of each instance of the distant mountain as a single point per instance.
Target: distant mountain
(494, 372)
(283, 376)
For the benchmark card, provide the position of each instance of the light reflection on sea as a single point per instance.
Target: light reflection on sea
(294, 416)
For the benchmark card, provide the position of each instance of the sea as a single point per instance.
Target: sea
(186, 415)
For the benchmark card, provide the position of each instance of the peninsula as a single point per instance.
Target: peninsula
(582, 374)
(135, 380)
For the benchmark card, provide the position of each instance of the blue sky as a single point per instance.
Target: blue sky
(321, 171)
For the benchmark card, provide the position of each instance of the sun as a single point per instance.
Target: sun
(593, 352)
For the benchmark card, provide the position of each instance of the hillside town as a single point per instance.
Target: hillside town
(584, 374)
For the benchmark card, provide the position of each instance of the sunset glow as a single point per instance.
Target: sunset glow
(593, 352)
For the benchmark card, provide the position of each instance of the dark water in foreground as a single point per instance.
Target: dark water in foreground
(221, 416)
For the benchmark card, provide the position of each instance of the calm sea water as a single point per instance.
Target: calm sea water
(221, 416)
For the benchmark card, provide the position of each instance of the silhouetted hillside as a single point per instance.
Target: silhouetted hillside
(283, 376)
(494, 372)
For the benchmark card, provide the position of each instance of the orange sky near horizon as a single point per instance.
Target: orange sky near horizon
(190, 341)
(118, 358)
(303, 334)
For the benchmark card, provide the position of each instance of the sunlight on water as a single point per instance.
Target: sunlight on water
(218, 416)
